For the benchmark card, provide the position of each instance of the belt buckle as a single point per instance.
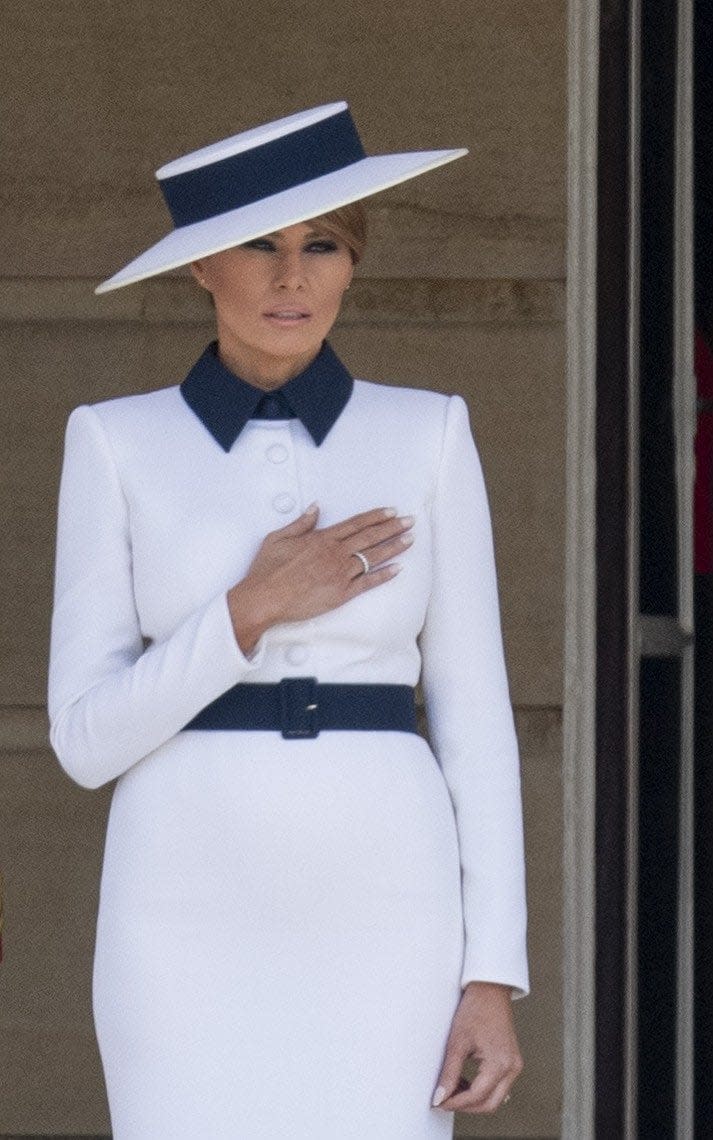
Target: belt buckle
(299, 708)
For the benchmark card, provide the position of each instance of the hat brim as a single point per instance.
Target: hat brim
(299, 204)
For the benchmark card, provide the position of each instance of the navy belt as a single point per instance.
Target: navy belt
(299, 707)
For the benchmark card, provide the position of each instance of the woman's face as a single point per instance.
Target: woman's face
(276, 297)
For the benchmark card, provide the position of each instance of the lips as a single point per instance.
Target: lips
(288, 314)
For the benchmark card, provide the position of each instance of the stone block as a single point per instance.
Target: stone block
(371, 300)
(51, 841)
(82, 141)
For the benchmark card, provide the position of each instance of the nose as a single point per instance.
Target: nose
(290, 271)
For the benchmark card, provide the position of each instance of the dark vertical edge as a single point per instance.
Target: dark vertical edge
(658, 508)
(612, 512)
(660, 680)
(703, 164)
(703, 793)
(657, 976)
(703, 860)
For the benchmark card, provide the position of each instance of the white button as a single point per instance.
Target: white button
(297, 654)
(283, 503)
(277, 453)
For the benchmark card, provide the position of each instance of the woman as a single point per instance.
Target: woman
(308, 919)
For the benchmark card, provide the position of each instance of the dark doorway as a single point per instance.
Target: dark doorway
(645, 591)
(703, 750)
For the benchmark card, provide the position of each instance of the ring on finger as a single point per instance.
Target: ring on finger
(364, 561)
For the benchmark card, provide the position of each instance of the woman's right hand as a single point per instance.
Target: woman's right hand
(300, 571)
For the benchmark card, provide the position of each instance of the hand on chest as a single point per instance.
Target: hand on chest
(197, 520)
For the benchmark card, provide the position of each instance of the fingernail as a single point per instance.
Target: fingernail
(406, 539)
(407, 520)
(394, 569)
(389, 512)
(438, 1096)
(311, 509)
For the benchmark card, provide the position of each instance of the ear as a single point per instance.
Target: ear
(198, 271)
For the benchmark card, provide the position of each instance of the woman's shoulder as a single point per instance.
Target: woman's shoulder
(399, 404)
(157, 401)
(117, 414)
(403, 407)
(131, 427)
(400, 395)
(409, 419)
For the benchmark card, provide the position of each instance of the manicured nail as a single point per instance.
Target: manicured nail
(389, 512)
(438, 1096)
(311, 509)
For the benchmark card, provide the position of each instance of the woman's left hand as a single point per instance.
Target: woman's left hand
(482, 1028)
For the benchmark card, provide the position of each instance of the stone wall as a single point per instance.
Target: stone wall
(462, 290)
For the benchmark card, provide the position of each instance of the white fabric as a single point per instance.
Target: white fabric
(280, 942)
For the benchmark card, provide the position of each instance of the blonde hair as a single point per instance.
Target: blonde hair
(348, 223)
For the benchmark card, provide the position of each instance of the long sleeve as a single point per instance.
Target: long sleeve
(470, 715)
(111, 702)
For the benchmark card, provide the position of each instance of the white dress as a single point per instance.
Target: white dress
(284, 925)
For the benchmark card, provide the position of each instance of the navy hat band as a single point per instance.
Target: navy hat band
(282, 164)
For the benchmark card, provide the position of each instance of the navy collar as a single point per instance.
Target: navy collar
(224, 402)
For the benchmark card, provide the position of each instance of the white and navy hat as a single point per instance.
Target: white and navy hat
(265, 179)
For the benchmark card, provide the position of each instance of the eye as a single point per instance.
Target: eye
(322, 245)
(259, 243)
